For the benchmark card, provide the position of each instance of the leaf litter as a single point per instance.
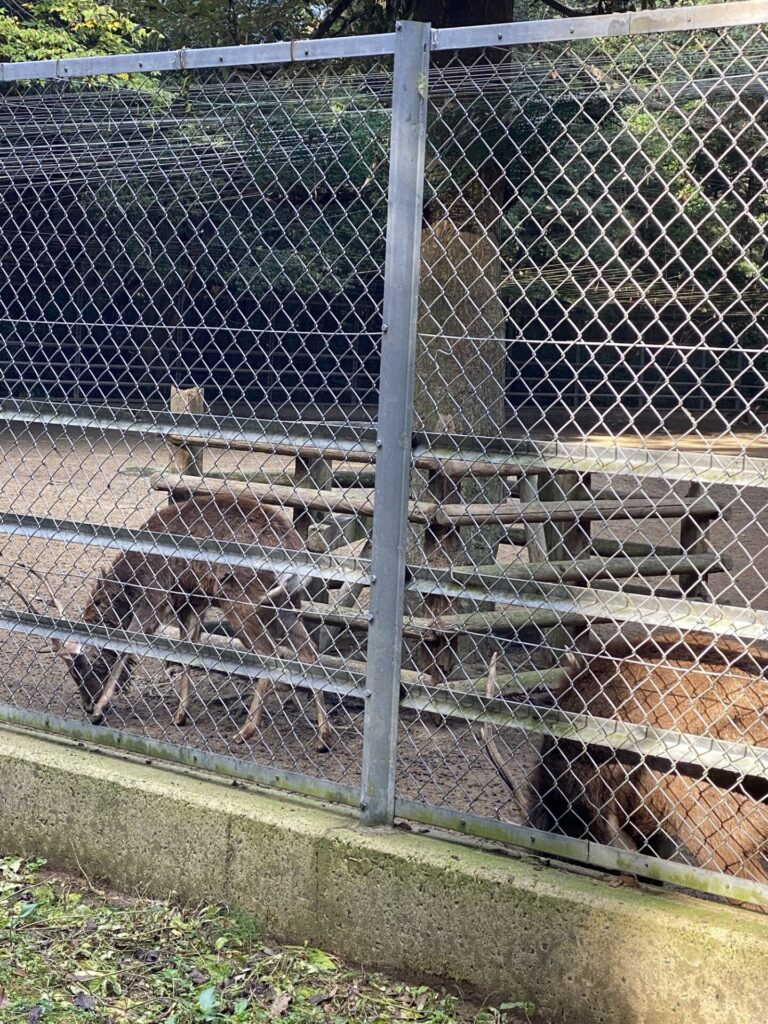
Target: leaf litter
(70, 954)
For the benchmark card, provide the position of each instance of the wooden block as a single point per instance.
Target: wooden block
(187, 456)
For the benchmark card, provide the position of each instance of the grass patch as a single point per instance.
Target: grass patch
(70, 954)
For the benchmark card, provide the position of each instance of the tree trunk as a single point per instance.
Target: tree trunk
(461, 353)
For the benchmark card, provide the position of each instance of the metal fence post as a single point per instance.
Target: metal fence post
(395, 419)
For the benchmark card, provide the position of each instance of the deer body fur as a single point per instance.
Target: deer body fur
(142, 592)
(688, 682)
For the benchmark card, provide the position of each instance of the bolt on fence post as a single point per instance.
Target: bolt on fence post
(395, 418)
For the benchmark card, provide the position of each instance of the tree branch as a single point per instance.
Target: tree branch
(570, 12)
(332, 16)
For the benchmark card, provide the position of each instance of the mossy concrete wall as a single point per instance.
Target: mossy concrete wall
(508, 927)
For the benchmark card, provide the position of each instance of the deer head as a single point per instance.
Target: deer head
(95, 671)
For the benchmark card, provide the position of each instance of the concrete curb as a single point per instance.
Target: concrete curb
(508, 927)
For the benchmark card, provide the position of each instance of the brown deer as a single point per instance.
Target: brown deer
(684, 681)
(141, 592)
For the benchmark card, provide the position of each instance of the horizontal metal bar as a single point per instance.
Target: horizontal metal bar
(740, 759)
(209, 57)
(676, 19)
(591, 854)
(301, 562)
(506, 456)
(517, 456)
(248, 665)
(188, 757)
(604, 858)
(706, 466)
(338, 436)
(712, 16)
(596, 603)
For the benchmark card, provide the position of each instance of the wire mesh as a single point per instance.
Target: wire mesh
(191, 264)
(191, 285)
(586, 642)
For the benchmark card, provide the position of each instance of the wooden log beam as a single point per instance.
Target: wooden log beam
(509, 620)
(275, 494)
(594, 510)
(449, 465)
(583, 570)
(608, 546)
(447, 515)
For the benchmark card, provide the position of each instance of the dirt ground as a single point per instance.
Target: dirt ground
(94, 478)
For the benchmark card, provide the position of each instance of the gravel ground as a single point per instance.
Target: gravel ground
(93, 478)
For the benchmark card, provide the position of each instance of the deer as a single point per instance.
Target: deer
(141, 592)
(686, 681)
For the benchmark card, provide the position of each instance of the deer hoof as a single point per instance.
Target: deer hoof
(247, 731)
(96, 719)
(323, 742)
(181, 718)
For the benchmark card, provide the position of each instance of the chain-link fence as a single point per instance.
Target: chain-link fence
(384, 419)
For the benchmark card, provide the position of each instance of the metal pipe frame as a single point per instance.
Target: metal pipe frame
(676, 19)
(393, 462)
(246, 665)
(337, 436)
(604, 858)
(299, 561)
(161, 750)
(395, 450)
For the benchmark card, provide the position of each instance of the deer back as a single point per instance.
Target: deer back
(686, 681)
(143, 585)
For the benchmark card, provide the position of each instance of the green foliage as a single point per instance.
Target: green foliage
(49, 29)
(83, 957)
(214, 23)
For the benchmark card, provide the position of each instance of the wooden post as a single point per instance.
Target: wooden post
(442, 544)
(311, 471)
(568, 539)
(535, 542)
(188, 459)
(315, 472)
(694, 540)
(563, 541)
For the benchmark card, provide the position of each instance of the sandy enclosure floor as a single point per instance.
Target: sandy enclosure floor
(93, 478)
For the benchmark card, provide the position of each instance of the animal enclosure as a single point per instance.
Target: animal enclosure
(383, 419)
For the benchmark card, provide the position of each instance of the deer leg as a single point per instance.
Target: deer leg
(100, 707)
(306, 652)
(190, 626)
(252, 722)
(257, 635)
(249, 628)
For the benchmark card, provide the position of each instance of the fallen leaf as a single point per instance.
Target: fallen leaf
(3, 997)
(83, 1001)
(35, 1015)
(198, 977)
(19, 972)
(83, 977)
(25, 910)
(279, 1005)
(208, 1001)
(320, 960)
(321, 997)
